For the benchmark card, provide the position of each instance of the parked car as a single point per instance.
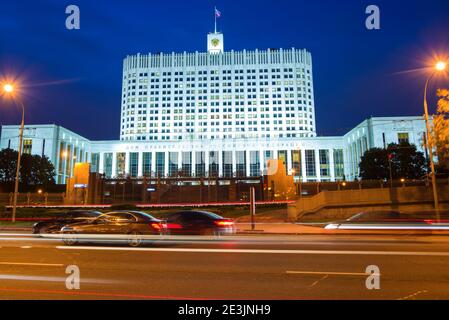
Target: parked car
(198, 223)
(54, 225)
(131, 223)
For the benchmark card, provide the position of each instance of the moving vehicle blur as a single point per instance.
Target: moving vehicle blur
(54, 225)
(199, 223)
(133, 224)
(391, 219)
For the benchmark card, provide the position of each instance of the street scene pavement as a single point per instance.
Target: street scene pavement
(240, 267)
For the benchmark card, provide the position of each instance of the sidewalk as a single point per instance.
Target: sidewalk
(279, 228)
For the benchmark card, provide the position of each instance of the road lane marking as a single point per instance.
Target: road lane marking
(31, 264)
(330, 273)
(318, 281)
(16, 277)
(412, 296)
(261, 251)
(102, 294)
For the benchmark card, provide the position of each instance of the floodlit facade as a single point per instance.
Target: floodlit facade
(218, 95)
(217, 113)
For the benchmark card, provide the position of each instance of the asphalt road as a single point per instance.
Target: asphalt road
(249, 267)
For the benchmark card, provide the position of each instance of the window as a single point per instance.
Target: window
(241, 163)
(254, 163)
(120, 170)
(27, 146)
(282, 155)
(107, 162)
(133, 164)
(339, 164)
(324, 163)
(173, 164)
(227, 164)
(200, 166)
(268, 155)
(95, 162)
(296, 163)
(403, 137)
(187, 164)
(160, 164)
(147, 157)
(213, 164)
(310, 163)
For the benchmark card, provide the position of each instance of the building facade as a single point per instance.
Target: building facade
(217, 114)
(218, 95)
(308, 159)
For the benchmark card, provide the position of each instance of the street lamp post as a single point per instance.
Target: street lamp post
(440, 66)
(9, 89)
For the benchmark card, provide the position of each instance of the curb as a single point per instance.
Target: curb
(15, 229)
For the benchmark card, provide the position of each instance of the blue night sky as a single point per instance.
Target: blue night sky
(73, 78)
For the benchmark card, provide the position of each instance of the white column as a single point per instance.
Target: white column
(317, 165)
(220, 163)
(153, 164)
(262, 161)
(167, 161)
(303, 165)
(331, 164)
(289, 162)
(140, 164)
(248, 162)
(114, 165)
(101, 163)
(193, 163)
(65, 161)
(179, 160)
(206, 160)
(234, 162)
(127, 160)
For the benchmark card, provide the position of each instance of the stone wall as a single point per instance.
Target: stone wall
(343, 204)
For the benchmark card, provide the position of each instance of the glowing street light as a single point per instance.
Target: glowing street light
(9, 90)
(440, 66)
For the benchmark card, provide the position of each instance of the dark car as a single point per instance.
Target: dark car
(132, 224)
(54, 225)
(198, 223)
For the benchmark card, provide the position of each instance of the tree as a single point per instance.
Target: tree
(406, 162)
(34, 170)
(374, 164)
(8, 160)
(440, 134)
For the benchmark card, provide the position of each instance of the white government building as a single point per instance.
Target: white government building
(219, 113)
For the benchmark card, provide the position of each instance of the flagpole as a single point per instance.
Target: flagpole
(215, 15)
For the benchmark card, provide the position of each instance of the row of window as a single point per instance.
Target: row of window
(213, 72)
(183, 164)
